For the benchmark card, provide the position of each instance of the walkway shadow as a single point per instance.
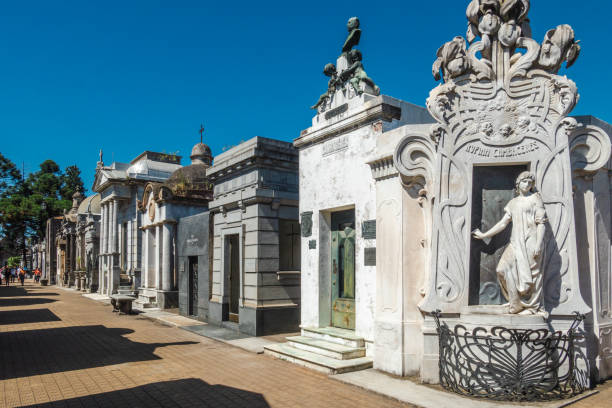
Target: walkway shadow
(27, 301)
(189, 392)
(62, 349)
(27, 316)
(11, 291)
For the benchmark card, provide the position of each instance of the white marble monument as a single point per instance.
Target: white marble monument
(501, 111)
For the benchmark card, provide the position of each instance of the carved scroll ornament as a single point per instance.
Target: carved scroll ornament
(590, 149)
(414, 158)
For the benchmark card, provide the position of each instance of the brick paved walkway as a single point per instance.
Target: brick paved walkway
(58, 349)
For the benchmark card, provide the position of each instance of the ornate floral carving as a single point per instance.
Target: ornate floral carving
(503, 29)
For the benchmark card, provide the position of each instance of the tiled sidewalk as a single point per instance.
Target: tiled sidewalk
(59, 349)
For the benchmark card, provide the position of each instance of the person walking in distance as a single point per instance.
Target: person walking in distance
(7, 275)
(21, 275)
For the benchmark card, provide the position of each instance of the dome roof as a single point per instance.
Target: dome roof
(201, 154)
(190, 182)
(91, 203)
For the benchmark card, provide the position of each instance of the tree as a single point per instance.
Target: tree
(9, 175)
(25, 205)
(71, 182)
(14, 261)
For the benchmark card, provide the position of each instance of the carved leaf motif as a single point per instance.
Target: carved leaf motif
(482, 68)
(525, 62)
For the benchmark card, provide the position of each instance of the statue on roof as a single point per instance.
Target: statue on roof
(355, 73)
(350, 73)
(330, 71)
(354, 35)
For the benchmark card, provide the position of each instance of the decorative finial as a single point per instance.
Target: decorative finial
(201, 132)
(100, 155)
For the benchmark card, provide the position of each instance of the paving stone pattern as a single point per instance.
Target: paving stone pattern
(59, 349)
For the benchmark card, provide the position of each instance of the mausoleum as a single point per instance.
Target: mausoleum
(120, 185)
(185, 193)
(256, 257)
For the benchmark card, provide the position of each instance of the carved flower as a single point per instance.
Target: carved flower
(509, 34)
(489, 24)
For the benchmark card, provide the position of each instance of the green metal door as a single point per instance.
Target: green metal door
(343, 270)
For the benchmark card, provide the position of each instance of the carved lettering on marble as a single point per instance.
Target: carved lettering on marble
(369, 257)
(335, 145)
(502, 152)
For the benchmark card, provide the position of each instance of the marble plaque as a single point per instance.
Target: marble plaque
(336, 111)
(369, 256)
(306, 224)
(368, 229)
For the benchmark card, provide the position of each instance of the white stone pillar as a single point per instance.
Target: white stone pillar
(145, 260)
(128, 246)
(166, 257)
(157, 254)
(115, 228)
(107, 227)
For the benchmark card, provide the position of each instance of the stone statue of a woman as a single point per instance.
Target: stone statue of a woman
(518, 270)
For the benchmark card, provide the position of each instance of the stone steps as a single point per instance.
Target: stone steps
(125, 290)
(326, 348)
(145, 302)
(334, 335)
(328, 365)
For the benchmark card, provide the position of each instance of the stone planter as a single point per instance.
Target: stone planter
(44, 282)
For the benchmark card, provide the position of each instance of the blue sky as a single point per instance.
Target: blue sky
(128, 76)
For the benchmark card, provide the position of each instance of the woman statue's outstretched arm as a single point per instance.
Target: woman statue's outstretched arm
(497, 228)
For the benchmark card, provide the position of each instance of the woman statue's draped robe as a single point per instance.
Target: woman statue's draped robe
(518, 270)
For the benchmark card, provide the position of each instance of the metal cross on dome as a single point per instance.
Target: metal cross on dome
(201, 132)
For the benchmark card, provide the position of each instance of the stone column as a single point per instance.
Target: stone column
(166, 257)
(145, 260)
(104, 221)
(115, 226)
(157, 254)
(129, 256)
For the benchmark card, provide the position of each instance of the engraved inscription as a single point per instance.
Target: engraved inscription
(334, 146)
(502, 151)
(369, 256)
(336, 111)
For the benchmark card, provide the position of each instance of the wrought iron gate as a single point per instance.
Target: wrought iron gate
(511, 364)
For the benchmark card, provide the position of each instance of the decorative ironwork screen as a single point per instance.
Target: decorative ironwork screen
(512, 364)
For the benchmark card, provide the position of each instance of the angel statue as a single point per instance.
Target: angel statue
(518, 270)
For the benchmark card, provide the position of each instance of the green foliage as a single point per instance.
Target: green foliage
(25, 205)
(9, 175)
(14, 261)
(71, 182)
